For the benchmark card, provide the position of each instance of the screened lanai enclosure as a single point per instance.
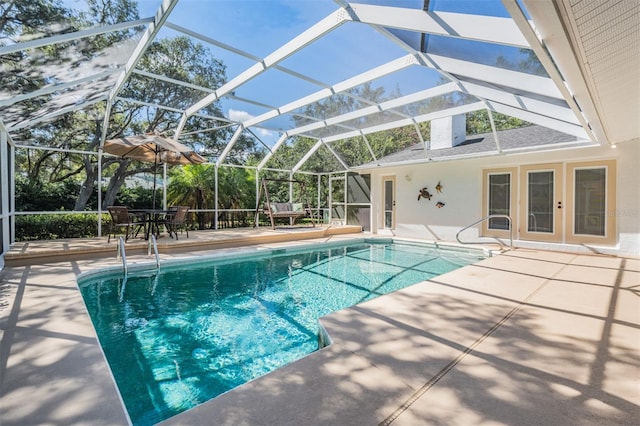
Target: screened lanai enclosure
(320, 91)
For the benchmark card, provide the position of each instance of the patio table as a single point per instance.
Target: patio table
(151, 218)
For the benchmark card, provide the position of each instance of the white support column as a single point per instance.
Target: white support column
(318, 202)
(330, 201)
(291, 187)
(105, 123)
(5, 213)
(215, 198)
(99, 186)
(257, 214)
(103, 136)
(12, 191)
(164, 186)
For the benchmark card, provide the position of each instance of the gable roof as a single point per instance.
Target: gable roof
(520, 139)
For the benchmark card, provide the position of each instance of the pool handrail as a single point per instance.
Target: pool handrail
(121, 252)
(153, 243)
(491, 216)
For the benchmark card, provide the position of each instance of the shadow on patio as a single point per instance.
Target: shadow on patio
(527, 337)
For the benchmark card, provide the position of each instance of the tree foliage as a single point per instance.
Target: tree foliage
(71, 177)
(179, 58)
(193, 185)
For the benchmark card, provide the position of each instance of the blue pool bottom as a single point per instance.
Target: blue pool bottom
(186, 334)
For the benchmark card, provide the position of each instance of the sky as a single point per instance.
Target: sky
(259, 27)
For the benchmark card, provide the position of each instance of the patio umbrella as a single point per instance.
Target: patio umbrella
(152, 148)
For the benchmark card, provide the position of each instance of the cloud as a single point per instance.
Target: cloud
(236, 115)
(241, 116)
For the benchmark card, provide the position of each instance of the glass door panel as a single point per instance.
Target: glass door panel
(591, 190)
(541, 194)
(499, 191)
(389, 202)
(499, 200)
(590, 202)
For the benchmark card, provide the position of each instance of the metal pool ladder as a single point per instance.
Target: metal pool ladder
(491, 216)
(121, 252)
(153, 243)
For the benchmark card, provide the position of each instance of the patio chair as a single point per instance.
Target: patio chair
(176, 219)
(122, 218)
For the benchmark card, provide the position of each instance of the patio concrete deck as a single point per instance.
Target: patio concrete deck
(527, 337)
(28, 252)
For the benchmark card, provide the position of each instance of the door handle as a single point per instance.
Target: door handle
(559, 204)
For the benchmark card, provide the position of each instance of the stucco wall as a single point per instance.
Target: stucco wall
(462, 194)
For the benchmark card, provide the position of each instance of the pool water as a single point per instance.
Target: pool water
(186, 334)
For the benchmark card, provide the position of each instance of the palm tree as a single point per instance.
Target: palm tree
(193, 185)
(236, 190)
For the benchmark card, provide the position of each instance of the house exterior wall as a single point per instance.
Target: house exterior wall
(462, 194)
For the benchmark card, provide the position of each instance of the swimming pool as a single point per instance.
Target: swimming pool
(180, 336)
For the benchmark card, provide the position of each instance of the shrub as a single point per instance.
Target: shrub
(58, 226)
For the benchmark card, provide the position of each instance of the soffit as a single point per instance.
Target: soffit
(595, 45)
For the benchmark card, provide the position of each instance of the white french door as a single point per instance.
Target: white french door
(541, 202)
(389, 202)
(573, 202)
(591, 196)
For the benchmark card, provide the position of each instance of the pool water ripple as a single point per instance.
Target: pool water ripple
(183, 336)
